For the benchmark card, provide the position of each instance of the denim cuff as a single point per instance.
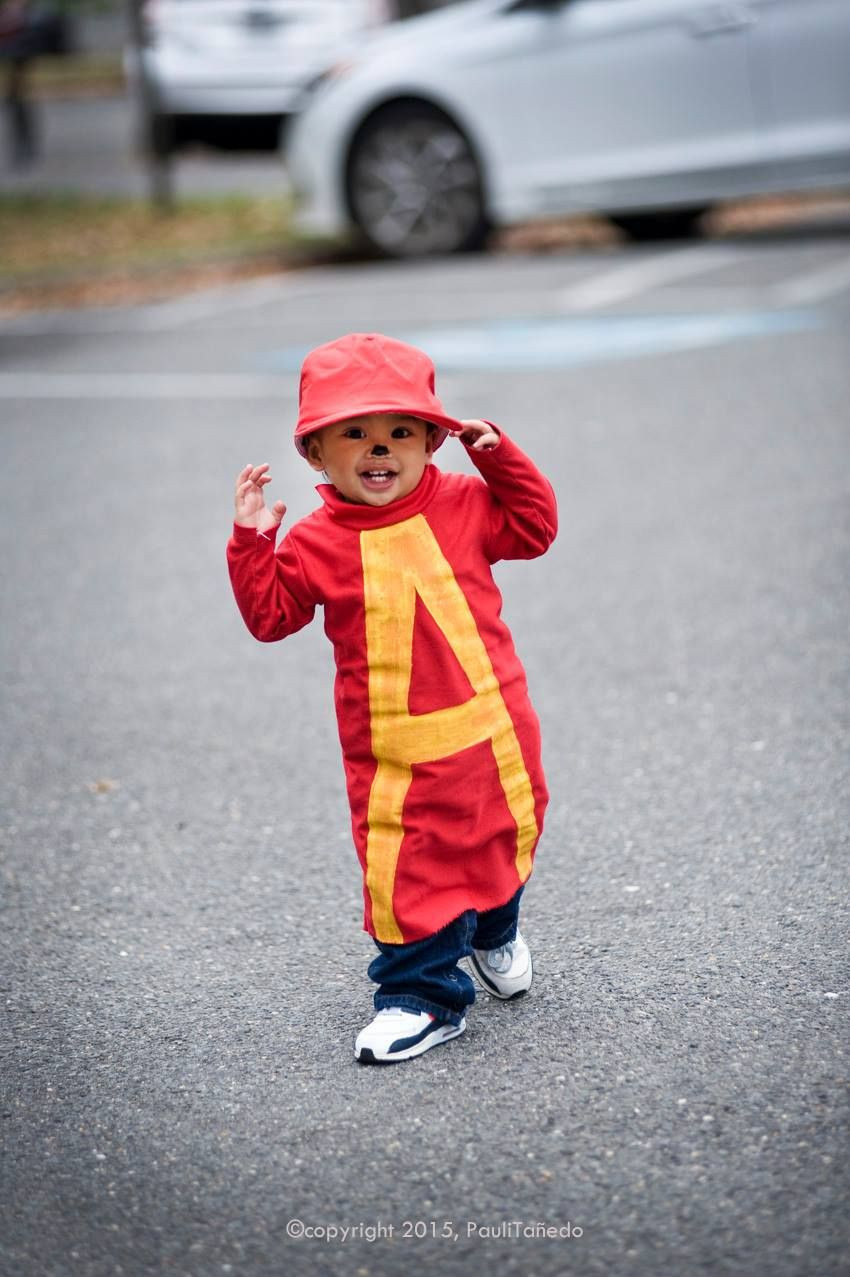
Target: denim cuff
(411, 1002)
(505, 936)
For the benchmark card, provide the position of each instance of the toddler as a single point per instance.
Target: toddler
(440, 743)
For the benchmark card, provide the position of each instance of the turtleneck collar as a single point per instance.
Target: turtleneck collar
(353, 515)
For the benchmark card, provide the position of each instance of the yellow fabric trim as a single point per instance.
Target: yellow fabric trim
(399, 563)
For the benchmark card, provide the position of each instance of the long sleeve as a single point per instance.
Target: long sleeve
(271, 590)
(523, 513)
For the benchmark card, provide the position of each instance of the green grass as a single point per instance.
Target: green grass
(49, 237)
(77, 73)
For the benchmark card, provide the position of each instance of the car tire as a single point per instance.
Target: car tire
(414, 184)
(671, 223)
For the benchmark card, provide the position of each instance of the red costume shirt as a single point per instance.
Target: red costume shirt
(440, 743)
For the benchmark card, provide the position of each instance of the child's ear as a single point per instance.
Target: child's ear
(429, 441)
(314, 454)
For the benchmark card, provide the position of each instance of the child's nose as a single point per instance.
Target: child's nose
(379, 450)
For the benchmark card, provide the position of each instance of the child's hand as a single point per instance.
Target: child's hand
(251, 510)
(477, 435)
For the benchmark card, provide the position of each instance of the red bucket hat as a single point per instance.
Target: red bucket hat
(363, 373)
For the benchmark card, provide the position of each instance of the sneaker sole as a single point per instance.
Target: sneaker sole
(445, 1034)
(488, 985)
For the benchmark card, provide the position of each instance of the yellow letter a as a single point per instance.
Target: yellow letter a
(399, 563)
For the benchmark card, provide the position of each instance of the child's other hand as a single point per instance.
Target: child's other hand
(251, 509)
(477, 435)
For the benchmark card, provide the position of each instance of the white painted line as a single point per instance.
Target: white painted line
(227, 300)
(128, 386)
(713, 297)
(176, 312)
(221, 303)
(159, 316)
(643, 275)
(815, 285)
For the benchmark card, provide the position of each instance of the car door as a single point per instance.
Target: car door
(801, 73)
(633, 102)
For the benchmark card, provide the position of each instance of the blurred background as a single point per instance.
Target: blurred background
(115, 113)
(180, 138)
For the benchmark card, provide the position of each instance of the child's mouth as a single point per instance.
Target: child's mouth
(377, 480)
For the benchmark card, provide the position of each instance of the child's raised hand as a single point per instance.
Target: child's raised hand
(251, 509)
(477, 435)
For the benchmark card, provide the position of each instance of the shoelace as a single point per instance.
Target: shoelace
(500, 959)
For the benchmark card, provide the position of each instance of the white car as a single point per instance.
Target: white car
(492, 112)
(228, 71)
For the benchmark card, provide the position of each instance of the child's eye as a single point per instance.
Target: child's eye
(401, 432)
(354, 432)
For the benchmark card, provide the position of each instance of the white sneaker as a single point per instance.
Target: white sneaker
(505, 972)
(399, 1034)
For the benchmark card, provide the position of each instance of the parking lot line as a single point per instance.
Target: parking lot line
(643, 275)
(147, 385)
(213, 303)
(814, 285)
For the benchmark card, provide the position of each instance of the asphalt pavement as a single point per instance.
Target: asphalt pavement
(183, 969)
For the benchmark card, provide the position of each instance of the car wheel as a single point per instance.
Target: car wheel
(414, 184)
(671, 223)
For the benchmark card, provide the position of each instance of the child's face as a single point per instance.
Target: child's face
(373, 460)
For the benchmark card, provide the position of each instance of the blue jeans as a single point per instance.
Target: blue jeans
(425, 976)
